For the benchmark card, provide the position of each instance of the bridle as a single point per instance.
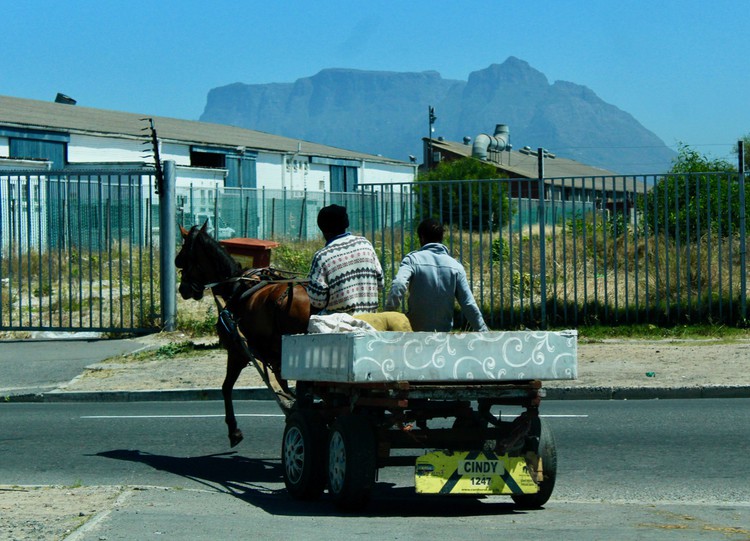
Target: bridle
(252, 279)
(188, 264)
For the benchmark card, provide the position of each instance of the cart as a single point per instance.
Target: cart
(361, 395)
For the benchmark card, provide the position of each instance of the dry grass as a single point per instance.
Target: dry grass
(77, 289)
(586, 270)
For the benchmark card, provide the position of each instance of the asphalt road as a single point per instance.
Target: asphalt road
(627, 469)
(47, 364)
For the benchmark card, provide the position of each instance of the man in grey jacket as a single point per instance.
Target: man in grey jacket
(434, 280)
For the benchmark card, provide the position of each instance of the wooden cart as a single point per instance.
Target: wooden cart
(361, 395)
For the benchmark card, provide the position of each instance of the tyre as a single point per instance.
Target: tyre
(541, 442)
(303, 455)
(351, 462)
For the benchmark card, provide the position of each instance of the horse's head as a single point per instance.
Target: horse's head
(192, 282)
(202, 261)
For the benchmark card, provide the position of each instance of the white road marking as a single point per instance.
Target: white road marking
(177, 416)
(561, 416)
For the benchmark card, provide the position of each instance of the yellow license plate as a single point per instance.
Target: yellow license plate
(472, 472)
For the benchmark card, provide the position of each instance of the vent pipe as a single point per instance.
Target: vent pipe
(498, 142)
(62, 98)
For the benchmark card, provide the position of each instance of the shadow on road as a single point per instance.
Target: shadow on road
(253, 481)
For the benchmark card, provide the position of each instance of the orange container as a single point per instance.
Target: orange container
(250, 253)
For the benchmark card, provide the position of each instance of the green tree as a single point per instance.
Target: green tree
(478, 201)
(698, 195)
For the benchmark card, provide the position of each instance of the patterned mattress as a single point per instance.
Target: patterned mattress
(372, 356)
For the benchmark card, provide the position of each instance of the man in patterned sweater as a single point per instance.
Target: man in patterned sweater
(345, 275)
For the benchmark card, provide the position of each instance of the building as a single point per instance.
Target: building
(564, 179)
(64, 136)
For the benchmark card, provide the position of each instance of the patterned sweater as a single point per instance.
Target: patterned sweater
(345, 276)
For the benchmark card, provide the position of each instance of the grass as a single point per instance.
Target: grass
(653, 332)
(111, 286)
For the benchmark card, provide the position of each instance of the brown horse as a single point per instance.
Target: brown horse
(254, 310)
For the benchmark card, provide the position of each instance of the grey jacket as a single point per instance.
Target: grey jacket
(435, 280)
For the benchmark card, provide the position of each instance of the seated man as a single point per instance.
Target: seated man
(345, 275)
(435, 280)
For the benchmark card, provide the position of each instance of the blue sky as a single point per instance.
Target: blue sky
(679, 67)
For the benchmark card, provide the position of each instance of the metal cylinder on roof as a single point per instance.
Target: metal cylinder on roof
(484, 143)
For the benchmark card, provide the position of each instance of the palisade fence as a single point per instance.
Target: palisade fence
(80, 251)
(77, 251)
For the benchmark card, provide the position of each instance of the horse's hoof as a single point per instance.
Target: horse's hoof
(235, 437)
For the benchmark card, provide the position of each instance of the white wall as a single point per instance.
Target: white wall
(92, 149)
(282, 171)
(199, 177)
(179, 153)
(268, 170)
(376, 173)
(278, 171)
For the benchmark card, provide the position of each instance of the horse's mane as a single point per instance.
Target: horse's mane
(224, 262)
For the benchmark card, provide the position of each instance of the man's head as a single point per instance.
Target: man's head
(332, 221)
(430, 230)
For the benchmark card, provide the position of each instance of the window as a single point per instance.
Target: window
(239, 163)
(207, 159)
(38, 150)
(37, 145)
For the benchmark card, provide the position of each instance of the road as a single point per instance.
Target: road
(47, 364)
(647, 469)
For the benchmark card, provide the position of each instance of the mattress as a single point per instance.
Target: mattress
(372, 356)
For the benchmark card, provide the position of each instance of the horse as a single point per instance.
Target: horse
(256, 307)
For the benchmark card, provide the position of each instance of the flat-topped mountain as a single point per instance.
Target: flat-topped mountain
(387, 113)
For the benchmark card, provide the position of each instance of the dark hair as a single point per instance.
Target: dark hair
(430, 230)
(333, 220)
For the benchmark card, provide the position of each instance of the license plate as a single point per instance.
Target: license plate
(472, 472)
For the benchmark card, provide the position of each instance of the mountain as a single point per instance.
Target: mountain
(386, 113)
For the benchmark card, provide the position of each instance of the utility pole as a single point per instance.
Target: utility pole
(432, 118)
(542, 239)
(743, 224)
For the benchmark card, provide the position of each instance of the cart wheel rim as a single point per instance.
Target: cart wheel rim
(294, 454)
(336, 463)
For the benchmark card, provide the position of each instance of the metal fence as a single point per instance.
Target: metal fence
(608, 250)
(664, 249)
(77, 251)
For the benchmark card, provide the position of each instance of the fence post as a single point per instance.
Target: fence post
(743, 229)
(542, 241)
(167, 249)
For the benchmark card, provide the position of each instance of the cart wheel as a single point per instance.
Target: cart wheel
(540, 441)
(351, 462)
(303, 455)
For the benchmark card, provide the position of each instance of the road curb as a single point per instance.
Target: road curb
(161, 395)
(646, 393)
(262, 393)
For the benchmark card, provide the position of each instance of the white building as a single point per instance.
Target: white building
(63, 136)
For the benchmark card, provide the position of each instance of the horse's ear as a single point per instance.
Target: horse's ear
(184, 232)
(205, 226)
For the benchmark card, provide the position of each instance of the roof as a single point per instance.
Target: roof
(523, 165)
(557, 171)
(42, 115)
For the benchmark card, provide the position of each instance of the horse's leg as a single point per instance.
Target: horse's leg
(235, 364)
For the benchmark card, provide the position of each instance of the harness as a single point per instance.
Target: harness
(243, 287)
(228, 322)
